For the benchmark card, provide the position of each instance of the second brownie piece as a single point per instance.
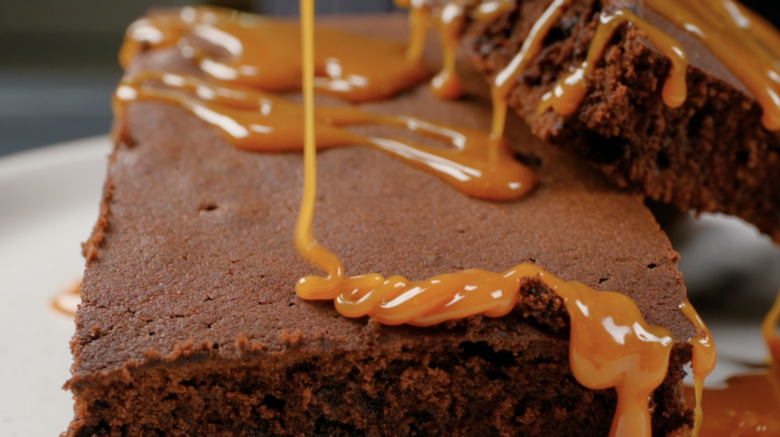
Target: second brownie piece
(711, 154)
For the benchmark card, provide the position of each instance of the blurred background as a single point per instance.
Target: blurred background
(58, 59)
(58, 64)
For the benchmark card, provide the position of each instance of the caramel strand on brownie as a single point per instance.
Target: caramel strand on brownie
(746, 44)
(611, 346)
(704, 358)
(568, 93)
(257, 121)
(749, 405)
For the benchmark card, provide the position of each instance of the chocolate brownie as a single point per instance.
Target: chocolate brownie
(710, 154)
(190, 324)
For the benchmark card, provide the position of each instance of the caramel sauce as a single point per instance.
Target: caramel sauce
(748, 46)
(569, 92)
(506, 79)
(704, 359)
(263, 122)
(452, 20)
(610, 345)
(67, 301)
(265, 54)
(750, 405)
(490, 10)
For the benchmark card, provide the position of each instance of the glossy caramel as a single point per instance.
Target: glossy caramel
(611, 345)
(750, 404)
(265, 53)
(568, 93)
(490, 10)
(506, 79)
(262, 122)
(451, 21)
(704, 358)
(746, 44)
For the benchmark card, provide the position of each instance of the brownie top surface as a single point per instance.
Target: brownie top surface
(198, 248)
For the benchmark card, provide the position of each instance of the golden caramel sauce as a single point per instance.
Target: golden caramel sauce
(704, 358)
(451, 21)
(264, 53)
(68, 300)
(746, 45)
(570, 90)
(506, 79)
(262, 122)
(750, 404)
(490, 10)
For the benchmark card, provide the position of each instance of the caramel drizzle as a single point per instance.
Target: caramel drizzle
(704, 358)
(750, 404)
(747, 45)
(262, 122)
(569, 92)
(264, 54)
(610, 346)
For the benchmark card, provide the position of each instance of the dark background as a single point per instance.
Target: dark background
(58, 60)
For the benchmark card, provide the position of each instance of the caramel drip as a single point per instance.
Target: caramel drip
(452, 20)
(265, 54)
(420, 16)
(262, 122)
(67, 301)
(506, 80)
(569, 92)
(704, 358)
(769, 330)
(747, 46)
(750, 404)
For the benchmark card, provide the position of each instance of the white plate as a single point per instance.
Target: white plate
(49, 201)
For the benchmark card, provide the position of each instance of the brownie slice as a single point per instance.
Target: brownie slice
(190, 324)
(711, 154)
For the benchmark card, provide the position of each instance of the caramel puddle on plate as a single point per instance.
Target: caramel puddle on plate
(750, 404)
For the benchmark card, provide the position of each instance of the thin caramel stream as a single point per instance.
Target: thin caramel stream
(704, 358)
(506, 80)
